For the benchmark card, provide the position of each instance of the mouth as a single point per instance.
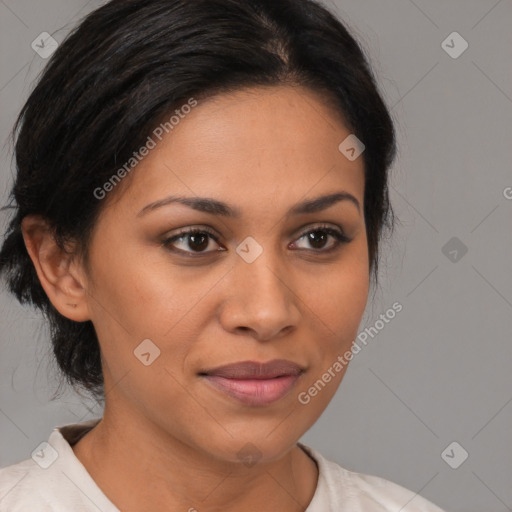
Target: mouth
(253, 383)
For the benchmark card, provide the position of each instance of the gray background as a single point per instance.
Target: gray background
(440, 371)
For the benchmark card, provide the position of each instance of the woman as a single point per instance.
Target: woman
(201, 189)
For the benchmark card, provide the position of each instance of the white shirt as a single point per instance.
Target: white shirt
(53, 479)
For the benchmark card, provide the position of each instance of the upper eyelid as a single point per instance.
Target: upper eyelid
(306, 228)
(299, 233)
(303, 229)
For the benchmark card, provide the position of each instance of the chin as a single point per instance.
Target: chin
(254, 444)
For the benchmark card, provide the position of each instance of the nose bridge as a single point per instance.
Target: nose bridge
(261, 297)
(260, 266)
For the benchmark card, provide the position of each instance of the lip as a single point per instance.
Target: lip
(254, 383)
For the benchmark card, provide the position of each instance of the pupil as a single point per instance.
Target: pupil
(313, 236)
(199, 246)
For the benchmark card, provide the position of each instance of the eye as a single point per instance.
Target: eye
(198, 240)
(318, 237)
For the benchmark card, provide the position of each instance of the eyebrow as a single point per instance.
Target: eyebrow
(215, 207)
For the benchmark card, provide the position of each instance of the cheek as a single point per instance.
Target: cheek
(141, 293)
(140, 297)
(335, 311)
(337, 299)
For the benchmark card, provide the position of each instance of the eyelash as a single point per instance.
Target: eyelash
(340, 237)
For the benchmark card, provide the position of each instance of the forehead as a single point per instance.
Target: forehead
(259, 144)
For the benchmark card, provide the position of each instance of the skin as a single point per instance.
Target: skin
(168, 440)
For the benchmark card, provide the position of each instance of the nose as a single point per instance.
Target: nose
(261, 299)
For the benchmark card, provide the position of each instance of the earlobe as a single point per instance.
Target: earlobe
(59, 274)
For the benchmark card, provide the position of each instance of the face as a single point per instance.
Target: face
(268, 275)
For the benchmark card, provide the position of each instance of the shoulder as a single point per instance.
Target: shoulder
(53, 479)
(340, 489)
(25, 487)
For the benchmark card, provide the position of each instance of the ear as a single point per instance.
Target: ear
(61, 277)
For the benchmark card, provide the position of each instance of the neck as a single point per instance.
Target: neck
(141, 468)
